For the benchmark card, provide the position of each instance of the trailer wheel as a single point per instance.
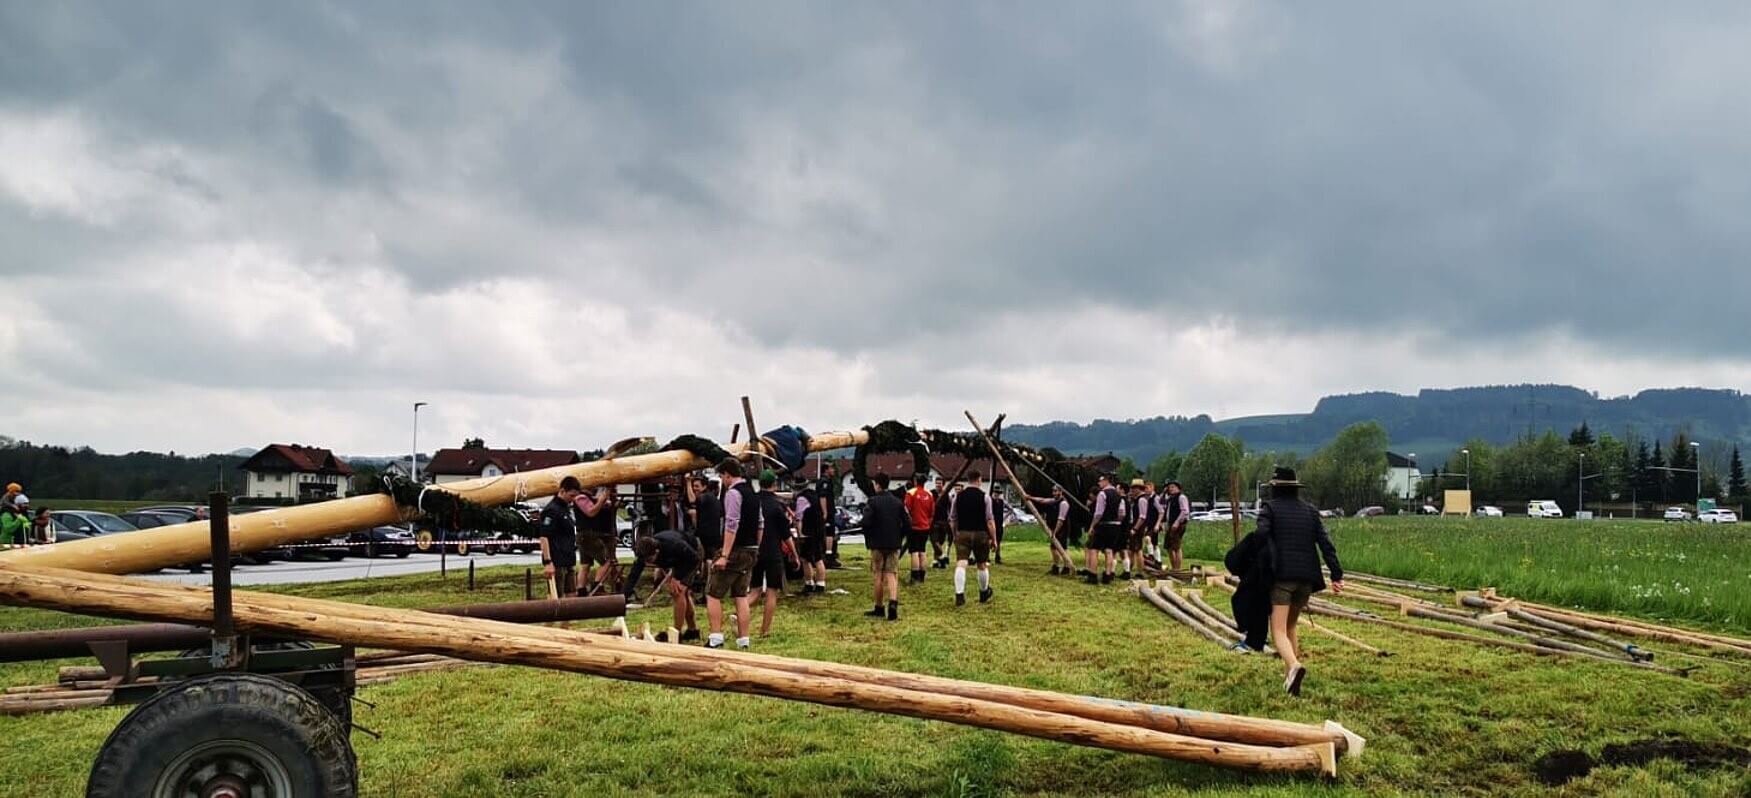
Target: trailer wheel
(228, 734)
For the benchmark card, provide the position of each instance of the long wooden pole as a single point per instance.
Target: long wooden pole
(1039, 513)
(1173, 720)
(130, 552)
(489, 641)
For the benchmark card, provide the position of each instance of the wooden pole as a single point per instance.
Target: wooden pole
(1173, 720)
(1234, 502)
(1328, 631)
(130, 552)
(489, 641)
(1021, 491)
(1161, 603)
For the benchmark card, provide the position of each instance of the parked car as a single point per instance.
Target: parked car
(1488, 511)
(1429, 509)
(183, 512)
(1719, 515)
(383, 541)
(150, 519)
(91, 523)
(1543, 508)
(1677, 514)
(1370, 512)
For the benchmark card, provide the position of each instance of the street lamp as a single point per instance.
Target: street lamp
(1580, 485)
(1696, 460)
(1410, 484)
(1467, 453)
(413, 462)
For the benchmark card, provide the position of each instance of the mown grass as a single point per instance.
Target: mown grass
(1442, 718)
(1691, 572)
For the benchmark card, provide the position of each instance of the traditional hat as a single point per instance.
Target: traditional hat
(1284, 477)
(1137, 483)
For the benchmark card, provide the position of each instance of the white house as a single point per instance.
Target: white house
(298, 473)
(1401, 475)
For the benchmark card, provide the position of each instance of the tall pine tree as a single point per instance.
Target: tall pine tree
(1657, 479)
(1581, 436)
(1736, 476)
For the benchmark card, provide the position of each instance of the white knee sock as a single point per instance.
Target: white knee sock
(984, 579)
(960, 579)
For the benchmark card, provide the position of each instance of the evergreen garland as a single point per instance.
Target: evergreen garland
(449, 511)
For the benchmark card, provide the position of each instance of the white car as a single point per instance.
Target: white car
(1718, 516)
(1543, 508)
(1487, 511)
(1677, 514)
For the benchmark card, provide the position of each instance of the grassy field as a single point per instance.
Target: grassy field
(1442, 718)
(1691, 572)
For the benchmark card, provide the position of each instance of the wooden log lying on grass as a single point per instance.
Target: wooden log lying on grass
(1352, 576)
(1196, 597)
(131, 552)
(1173, 720)
(1212, 620)
(1173, 611)
(1629, 649)
(489, 641)
(1625, 626)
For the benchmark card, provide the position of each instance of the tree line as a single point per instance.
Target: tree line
(1349, 472)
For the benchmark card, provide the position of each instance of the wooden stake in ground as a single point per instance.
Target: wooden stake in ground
(488, 641)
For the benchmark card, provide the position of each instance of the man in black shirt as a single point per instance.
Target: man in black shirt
(559, 538)
(828, 491)
(672, 550)
(884, 530)
(975, 532)
(998, 507)
(768, 576)
(811, 523)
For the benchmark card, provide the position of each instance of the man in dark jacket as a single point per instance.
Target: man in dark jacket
(1300, 540)
(885, 522)
(674, 551)
(559, 538)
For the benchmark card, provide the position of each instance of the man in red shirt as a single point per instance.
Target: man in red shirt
(921, 513)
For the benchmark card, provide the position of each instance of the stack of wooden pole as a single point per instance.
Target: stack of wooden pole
(1596, 627)
(1210, 738)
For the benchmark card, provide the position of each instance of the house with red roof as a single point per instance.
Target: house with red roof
(455, 465)
(294, 472)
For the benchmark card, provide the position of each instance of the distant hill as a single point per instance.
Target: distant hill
(1433, 423)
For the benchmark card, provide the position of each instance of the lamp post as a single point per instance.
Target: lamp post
(413, 462)
(1410, 485)
(1467, 453)
(1580, 485)
(1696, 460)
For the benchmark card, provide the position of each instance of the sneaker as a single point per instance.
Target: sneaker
(689, 635)
(1240, 648)
(960, 599)
(1054, 571)
(877, 613)
(1089, 577)
(1292, 683)
(744, 646)
(893, 610)
(986, 594)
(713, 645)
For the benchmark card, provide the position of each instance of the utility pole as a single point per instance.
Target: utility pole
(1467, 453)
(413, 461)
(1580, 485)
(1696, 460)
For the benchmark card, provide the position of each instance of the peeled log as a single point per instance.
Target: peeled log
(1173, 720)
(132, 552)
(490, 641)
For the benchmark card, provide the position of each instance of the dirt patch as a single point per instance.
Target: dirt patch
(1560, 767)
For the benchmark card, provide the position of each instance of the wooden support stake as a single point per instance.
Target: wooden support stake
(997, 456)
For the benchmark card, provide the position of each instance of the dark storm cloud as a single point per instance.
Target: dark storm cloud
(1487, 174)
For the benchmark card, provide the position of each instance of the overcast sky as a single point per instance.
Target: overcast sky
(229, 224)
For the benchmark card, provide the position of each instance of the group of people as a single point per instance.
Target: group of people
(19, 524)
(732, 540)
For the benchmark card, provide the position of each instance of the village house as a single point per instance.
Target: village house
(296, 473)
(455, 465)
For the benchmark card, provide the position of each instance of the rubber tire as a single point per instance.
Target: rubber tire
(402, 555)
(290, 723)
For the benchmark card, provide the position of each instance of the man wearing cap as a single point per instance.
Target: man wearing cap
(559, 537)
(1108, 535)
(921, 516)
(13, 491)
(1176, 510)
(975, 534)
(1299, 540)
(734, 563)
